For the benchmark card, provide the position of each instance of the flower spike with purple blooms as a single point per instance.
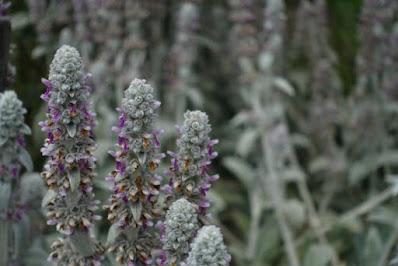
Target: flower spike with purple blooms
(133, 208)
(13, 158)
(70, 168)
(189, 171)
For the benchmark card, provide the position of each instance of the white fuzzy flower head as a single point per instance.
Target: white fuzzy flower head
(11, 117)
(194, 134)
(181, 224)
(139, 104)
(66, 73)
(208, 248)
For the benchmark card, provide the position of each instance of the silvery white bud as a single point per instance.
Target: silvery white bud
(181, 224)
(194, 134)
(208, 248)
(11, 117)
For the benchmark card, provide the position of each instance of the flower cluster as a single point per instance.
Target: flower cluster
(138, 247)
(325, 85)
(245, 28)
(12, 131)
(184, 50)
(376, 19)
(133, 206)
(134, 181)
(181, 224)
(189, 175)
(65, 254)
(13, 157)
(208, 248)
(69, 146)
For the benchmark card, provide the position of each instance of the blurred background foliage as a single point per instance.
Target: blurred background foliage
(332, 139)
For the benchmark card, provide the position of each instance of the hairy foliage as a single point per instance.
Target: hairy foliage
(301, 94)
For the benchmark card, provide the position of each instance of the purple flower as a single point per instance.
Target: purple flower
(122, 120)
(69, 147)
(46, 95)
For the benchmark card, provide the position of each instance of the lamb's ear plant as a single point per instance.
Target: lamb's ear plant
(260, 59)
(141, 232)
(187, 189)
(133, 208)
(14, 160)
(70, 169)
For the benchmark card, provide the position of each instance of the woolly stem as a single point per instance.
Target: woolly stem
(314, 218)
(276, 197)
(256, 210)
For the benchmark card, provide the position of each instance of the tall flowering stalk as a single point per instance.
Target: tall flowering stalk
(370, 108)
(189, 183)
(13, 159)
(70, 169)
(244, 38)
(183, 55)
(325, 89)
(376, 21)
(135, 15)
(133, 207)
(189, 171)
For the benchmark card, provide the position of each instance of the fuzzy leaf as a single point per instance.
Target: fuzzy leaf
(74, 179)
(26, 130)
(268, 250)
(373, 248)
(241, 169)
(195, 97)
(136, 209)
(241, 118)
(71, 128)
(25, 159)
(246, 142)
(319, 164)
(2, 141)
(48, 197)
(384, 215)
(363, 168)
(32, 187)
(142, 158)
(317, 255)
(113, 233)
(294, 211)
(36, 255)
(5, 192)
(82, 243)
(284, 86)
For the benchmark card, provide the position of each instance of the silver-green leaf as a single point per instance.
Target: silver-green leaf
(25, 159)
(74, 179)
